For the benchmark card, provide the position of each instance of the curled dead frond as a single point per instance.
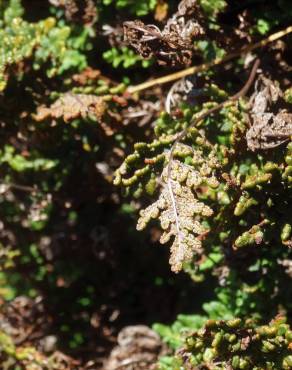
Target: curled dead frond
(174, 44)
(271, 126)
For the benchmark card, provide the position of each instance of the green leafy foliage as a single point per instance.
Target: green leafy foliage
(139, 8)
(213, 7)
(125, 57)
(45, 41)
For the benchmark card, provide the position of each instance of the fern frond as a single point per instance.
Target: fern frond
(178, 209)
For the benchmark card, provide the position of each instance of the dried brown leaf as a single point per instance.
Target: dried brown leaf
(71, 106)
(271, 123)
(174, 44)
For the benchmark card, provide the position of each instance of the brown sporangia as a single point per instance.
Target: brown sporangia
(173, 46)
(271, 122)
(71, 106)
(178, 208)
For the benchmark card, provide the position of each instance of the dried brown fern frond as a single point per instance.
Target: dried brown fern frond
(178, 209)
(271, 123)
(71, 106)
(174, 44)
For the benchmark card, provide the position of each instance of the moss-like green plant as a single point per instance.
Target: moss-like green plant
(43, 42)
(238, 345)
